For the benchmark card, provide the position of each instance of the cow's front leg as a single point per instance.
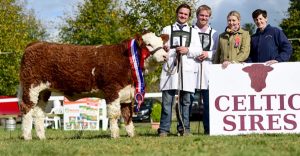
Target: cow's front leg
(27, 125)
(126, 110)
(114, 112)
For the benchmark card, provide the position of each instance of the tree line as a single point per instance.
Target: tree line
(99, 22)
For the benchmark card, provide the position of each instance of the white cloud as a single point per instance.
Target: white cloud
(220, 8)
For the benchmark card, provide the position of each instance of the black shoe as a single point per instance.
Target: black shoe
(206, 132)
(184, 133)
(163, 134)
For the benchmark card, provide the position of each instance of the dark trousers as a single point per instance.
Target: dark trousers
(204, 95)
(168, 98)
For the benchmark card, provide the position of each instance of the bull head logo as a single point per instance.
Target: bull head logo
(258, 74)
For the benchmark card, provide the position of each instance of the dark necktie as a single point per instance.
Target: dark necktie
(181, 26)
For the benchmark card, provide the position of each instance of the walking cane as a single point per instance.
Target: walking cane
(200, 96)
(180, 85)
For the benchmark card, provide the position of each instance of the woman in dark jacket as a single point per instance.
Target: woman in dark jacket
(269, 44)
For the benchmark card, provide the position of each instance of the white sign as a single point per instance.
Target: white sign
(254, 98)
(82, 114)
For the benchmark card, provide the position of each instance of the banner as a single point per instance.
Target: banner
(82, 114)
(254, 98)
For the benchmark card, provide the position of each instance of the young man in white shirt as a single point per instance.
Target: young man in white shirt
(209, 41)
(179, 72)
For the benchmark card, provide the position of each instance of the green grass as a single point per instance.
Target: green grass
(147, 142)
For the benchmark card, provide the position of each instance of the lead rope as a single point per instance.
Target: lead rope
(170, 71)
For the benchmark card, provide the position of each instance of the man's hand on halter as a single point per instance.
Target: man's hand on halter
(182, 50)
(203, 56)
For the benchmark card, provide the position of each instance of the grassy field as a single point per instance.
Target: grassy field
(147, 142)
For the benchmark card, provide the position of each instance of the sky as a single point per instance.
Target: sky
(50, 12)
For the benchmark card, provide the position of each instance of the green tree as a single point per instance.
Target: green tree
(249, 27)
(291, 27)
(18, 27)
(97, 22)
(152, 14)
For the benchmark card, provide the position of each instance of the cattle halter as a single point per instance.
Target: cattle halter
(155, 50)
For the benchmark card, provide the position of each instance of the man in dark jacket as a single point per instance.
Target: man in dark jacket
(269, 44)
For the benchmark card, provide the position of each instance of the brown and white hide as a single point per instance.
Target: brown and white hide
(82, 71)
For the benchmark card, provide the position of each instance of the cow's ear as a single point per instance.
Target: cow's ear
(164, 37)
(139, 40)
(145, 31)
(269, 68)
(246, 69)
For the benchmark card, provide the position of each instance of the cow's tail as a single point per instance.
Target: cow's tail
(20, 94)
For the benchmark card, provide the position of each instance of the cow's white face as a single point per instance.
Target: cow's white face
(155, 46)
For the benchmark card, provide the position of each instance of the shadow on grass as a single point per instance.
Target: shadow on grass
(141, 130)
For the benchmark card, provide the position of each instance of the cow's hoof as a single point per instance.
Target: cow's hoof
(130, 129)
(114, 132)
(131, 135)
(27, 135)
(115, 136)
(27, 138)
(42, 138)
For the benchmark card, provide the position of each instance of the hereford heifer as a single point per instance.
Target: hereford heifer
(258, 74)
(83, 71)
